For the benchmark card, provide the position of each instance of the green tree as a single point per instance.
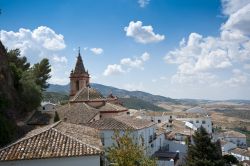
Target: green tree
(125, 152)
(7, 130)
(31, 94)
(41, 72)
(203, 152)
(18, 65)
(230, 159)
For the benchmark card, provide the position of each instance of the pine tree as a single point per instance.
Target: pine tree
(203, 152)
(41, 72)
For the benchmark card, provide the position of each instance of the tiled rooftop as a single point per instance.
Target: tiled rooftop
(232, 133)
(87, 94)
(121, 123)
(241, 151)
(53, 141)
(77, 113)
(112, 107)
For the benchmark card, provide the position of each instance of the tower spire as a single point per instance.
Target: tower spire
(79, 68)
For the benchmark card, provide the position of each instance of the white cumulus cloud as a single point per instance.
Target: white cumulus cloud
(113, 70)
(97, 51)
(142, 34)
(126, 64)
(135, 62)
(143, 3)
(62, 59)
(42, 42)
(202, 59)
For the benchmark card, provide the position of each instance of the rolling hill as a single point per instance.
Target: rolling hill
(121, 93)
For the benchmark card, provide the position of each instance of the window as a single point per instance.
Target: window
(191, 121)
(197, 121)
(152, 120)
(203, 122)
(150, 139)
(159, 121)
(170, 116)
(128, 113)
(102, 139)
(43, 108)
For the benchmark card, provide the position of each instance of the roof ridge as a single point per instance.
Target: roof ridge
(80, 141)
(77, 94)
(28, 137)
(128, 124)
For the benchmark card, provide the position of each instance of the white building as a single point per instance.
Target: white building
(227, 146)
(142, 131)
(47, 106)
(60, 144)
(233, 136)
(240, 154)
(197, 120)
(158, 117)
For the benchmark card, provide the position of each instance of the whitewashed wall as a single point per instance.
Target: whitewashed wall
(240, 142)
(160, 119)
(240, 157)
(47, 107)
(228, 146)
(69, 161)
(138, 135)
(165, 163)
(205, 122)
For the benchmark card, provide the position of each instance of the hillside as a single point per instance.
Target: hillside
(132, 102)
(55, 97)
(121, 93)
(135, 103)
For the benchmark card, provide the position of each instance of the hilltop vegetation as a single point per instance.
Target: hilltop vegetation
(55, 97)
(135, 103)
(21, 89)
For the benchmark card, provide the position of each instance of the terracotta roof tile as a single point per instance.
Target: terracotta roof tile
(240, 151)
(77, 113)
(112, 107)
(232, 133)
(121, 123)
(50, 142)
(87, 93)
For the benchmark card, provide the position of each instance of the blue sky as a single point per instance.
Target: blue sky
(180, 49)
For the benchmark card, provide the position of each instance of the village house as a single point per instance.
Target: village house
(226, 146)
(59, 144)
(47, 106)
(233, 136)
(240, 154)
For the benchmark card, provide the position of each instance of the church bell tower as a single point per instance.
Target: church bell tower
(79, 78)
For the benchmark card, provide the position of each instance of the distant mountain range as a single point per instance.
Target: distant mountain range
(143, 96)
(130, 99)
(121, 93)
